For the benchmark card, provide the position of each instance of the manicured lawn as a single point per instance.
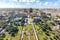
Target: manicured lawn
(25, 37)
(40, 33)
(32, 37)
(29, 29)
(20, 27)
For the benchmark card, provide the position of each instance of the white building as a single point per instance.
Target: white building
(56, 27)
(18, 18)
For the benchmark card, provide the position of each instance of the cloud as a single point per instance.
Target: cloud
(8, 5)
(46, 3)
(28, 0)
(24, 0)
(51, 5)
(29, 4)
(13, 0)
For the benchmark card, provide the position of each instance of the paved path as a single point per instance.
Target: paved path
(22, 33)
(36, 37)
(29, 36)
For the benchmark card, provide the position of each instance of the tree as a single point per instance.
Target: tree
(2, 35)
(13, 31)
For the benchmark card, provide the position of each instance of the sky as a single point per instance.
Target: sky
(29, 3)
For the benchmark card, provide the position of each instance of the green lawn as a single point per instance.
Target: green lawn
(25, 37)
(40, 33)
(29, 29)
(29, 26)
(20, 27)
